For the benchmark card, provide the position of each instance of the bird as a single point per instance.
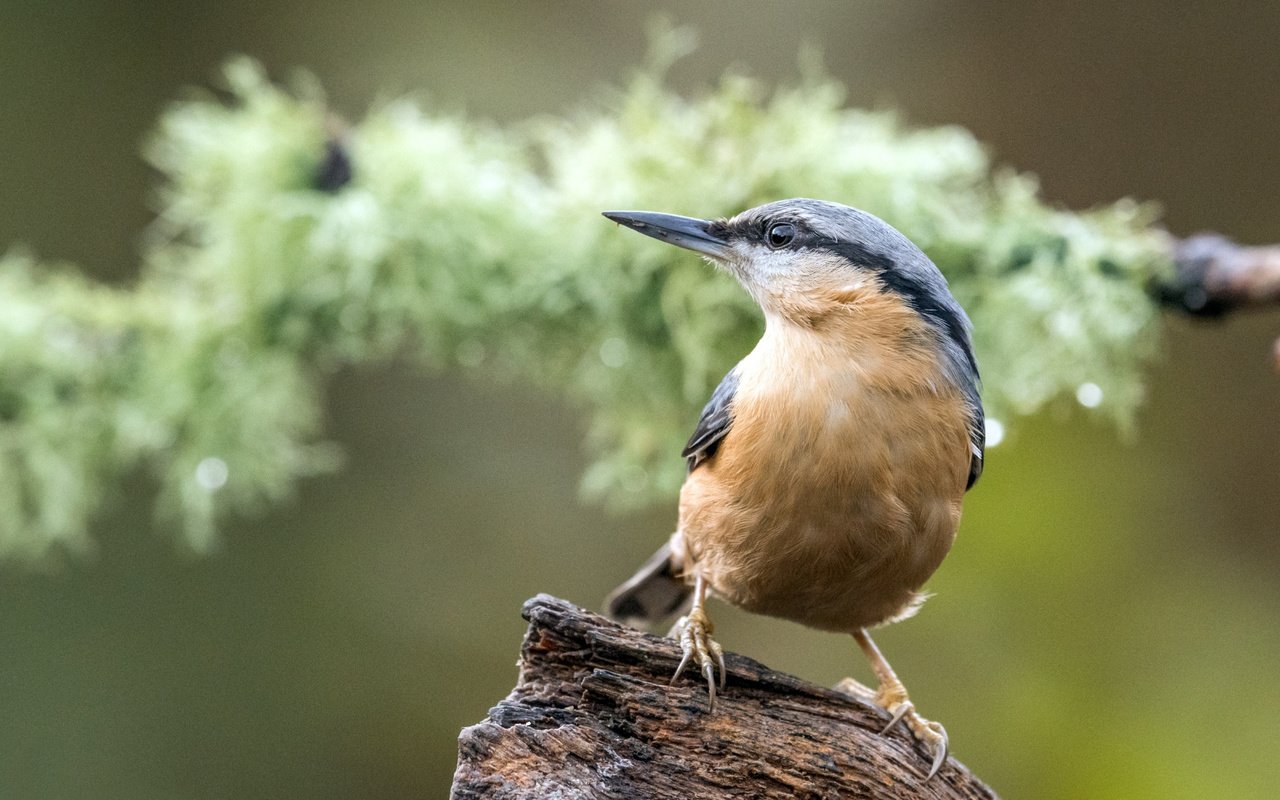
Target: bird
(827, 472)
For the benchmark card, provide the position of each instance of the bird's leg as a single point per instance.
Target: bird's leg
(892, 697)
(693, 631)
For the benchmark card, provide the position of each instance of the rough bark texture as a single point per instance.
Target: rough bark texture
(592, 715)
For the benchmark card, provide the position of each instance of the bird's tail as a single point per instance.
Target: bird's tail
(653, 595)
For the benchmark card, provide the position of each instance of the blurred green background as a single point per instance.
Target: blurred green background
(1104, 627)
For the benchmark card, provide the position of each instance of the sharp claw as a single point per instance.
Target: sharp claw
(709, 673)
(903, 710)
(684, 662)
(720, 658)
(939, 759)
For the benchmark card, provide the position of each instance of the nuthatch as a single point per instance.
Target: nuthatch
(827, 472)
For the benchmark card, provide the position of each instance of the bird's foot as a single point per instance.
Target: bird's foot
(693, 631)
(892, 697)
(857, 690)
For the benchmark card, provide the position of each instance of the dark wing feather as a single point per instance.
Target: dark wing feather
(716, 418)
(977, 440)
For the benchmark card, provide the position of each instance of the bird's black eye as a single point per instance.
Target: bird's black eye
(780, 234)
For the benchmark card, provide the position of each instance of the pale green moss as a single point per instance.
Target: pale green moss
(468, 245)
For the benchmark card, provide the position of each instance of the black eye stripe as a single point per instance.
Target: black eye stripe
(924, 297)
(756, 231)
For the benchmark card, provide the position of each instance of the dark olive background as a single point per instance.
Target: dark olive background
(1105, 626)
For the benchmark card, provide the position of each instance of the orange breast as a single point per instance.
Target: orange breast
(837, 491)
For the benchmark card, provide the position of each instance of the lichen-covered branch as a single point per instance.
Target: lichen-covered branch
(593, 716)
(1214, 275)
(287, 246)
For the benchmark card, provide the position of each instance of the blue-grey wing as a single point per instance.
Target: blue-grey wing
(716, 418)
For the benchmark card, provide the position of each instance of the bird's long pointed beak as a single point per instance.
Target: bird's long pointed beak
(687, 232)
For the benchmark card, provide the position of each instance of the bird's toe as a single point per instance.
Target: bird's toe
(694, 634)
(928, 733)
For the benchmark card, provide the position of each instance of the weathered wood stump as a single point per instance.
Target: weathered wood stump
(592, 715)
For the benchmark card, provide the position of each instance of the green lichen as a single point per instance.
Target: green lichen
(468, 245)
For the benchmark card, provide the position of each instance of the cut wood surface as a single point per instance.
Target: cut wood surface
(592, 715)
